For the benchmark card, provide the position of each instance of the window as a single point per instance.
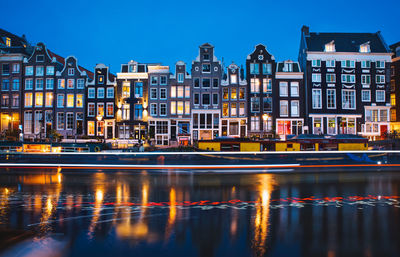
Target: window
(348, 99)
(348, 78)
(5, 69)
(80, 84)
(196, 82)
(39, 84)
(254, 68)
(364, 48)
(163, 93)
(110, 92)
(233, 93)
(365, 79)
(317, 126)
(8, 41)
(233, 79)
(153, 93)
(50, 70)
(153, 109)
(61, 83)
(153, 80)
(49, 99)
(233, 109)
(316, 99)
(139, 89)
(91, 111)
(100, 128)
(366, 95)
(49, 84)
(163, 109)
(294, 108)
(29, 70)
(180, 92)
(225, 93)
(206, 99)
(15, 85)
(28, 84)
(380, 64)
(180, 78)
(267, 85)
(330, 63)
(91, 92)
(205, 83)
(255, 104)
(366, 64)
(254, 123)
(39, 99)
(5, 100)
(28, 122)
(316, 77)
(187, 107)
(100, 109)
(70, 120)
(126, 111)
(267, 68)
(101, 79)
(6, 85)
(254, 85)
(187, 91)
(267, 104)
(60, 121)
(294, 88)
(70, 100)
(380, 95)
(225, 110)
(215, 99)
(215, 83)
(28, 99)
(316, 63)
(283, 88)
(180, 107)
(284, 108)
(348, 64)
(196, 99)
(15, 101)
(60, 100)
(173, 107)
(110, 110)
(241, 110)
(100, 92)
(39, 71)
(330, 77)
(330, 47)
(71, 83)
(242, 91)
(380, 79)
(71, 71)
(126, 89)
(40, 58)
(331, 98)
(393, 99)
(206, 67)
(15, 68)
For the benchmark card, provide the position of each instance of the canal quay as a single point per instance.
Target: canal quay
(56, 212)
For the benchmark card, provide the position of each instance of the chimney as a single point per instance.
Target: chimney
(241, 72)
(306, 30)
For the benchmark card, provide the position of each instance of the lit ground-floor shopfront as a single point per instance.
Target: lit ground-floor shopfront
(333, 124)
(159, 131)
(234, 127)
(101, 129)
(9, 121)
(377, 125)
(180, 131)
(205, 124)
(285, 127)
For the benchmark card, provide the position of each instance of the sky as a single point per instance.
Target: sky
(115, 32)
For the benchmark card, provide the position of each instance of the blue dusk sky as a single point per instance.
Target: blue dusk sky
(115, 32)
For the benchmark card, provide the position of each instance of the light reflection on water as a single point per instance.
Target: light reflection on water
(200, 215)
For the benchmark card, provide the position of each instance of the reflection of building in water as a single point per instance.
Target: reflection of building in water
(4, 201)
(261, 220)
(99, 181)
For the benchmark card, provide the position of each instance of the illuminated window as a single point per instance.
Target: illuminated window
(79, 100)
(393, 99)
(242, 93)
(233, 93)
(126, 111)
(365, 48)
(173, 107)
(225, 110)
(61, 83)
(316, 99)
(100, 128)
(39, 99)
(187, 107)
(241, 110)
(225, 93)
(330, 47)
(267, 85)
(393, 115)
(233, 79)
(28, 99)
(49, 99)
(110, 109)
(180, 108)
(100, 109)
(71, 83)
(101, 79)
(254, 85)
(187, 91)
(180, 91)
(8, 41)
(126, 89)
(70, 100)
(233, 109)
(173, 91)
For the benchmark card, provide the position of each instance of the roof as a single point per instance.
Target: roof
(346, 42)
(18, 44)
(61, 60)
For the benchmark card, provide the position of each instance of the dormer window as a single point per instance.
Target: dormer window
(101, 79)
(131, 68)
(8, 41)
(206, 57)
(233, 79)
(330, 47)
(288, 67)
(365, 48)
(71, 71)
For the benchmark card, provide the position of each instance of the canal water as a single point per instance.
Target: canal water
(75, 213)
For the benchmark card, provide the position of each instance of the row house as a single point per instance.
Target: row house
(289, 100)
(132, 100)
(69, 93)
(100, 104)
(38, 93)
(206, 107)
(260, 73)
(159, 95)
(395, 88)
(234, 103)
(180, 104)
(13, 50)
(346, 77)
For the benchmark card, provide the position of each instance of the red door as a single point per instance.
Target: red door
(384, 129)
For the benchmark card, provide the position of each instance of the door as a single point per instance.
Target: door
(109, 131)
(384, 129)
